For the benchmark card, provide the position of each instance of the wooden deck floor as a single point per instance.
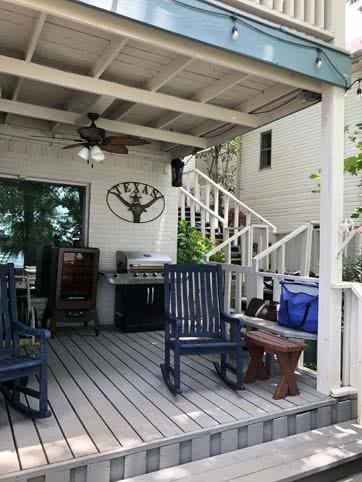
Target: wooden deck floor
(107, 394)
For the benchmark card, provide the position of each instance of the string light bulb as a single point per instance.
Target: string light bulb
(359, 88)
(318, 60)
(234, 30)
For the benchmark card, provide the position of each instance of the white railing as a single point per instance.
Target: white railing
(221, 200)
(196, 206)
(350, 358)
(316, 17)
(274, 257)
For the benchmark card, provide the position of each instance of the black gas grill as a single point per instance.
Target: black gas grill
(139, 302)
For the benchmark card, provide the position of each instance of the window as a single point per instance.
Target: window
(35, 215)
(265, 150)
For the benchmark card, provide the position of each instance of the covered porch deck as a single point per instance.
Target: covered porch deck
(113, 416)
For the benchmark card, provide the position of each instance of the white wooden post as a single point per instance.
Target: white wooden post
(331, 215)
(207, 201)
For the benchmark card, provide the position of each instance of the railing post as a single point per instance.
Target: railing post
(335, 20)
(331, 215)
(299, 9)
(319, 13)
(307, 251)
(207, 200)
(254, 283)
(288, 8)
(236, 221)
(192, 214)
(309, 13)
(197, 189)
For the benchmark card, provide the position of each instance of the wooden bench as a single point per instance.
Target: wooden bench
(273, 327)
(287, 352)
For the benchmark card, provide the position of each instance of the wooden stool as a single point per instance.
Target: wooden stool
(287, 352)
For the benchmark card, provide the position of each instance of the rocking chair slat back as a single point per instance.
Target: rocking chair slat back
(8, 310)
(193, 295)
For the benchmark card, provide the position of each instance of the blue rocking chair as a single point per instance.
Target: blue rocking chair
(15, 368)
(195, 323)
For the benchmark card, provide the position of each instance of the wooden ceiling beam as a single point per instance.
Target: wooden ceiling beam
(204, 95)
(103, 62)
(121, 26)
(83, 83)
(72, 118)
(153, 85)
(37, 27)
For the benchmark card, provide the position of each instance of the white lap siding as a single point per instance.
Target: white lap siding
(105, 231)
(282, 194)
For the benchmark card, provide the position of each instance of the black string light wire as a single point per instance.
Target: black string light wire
(236, 19)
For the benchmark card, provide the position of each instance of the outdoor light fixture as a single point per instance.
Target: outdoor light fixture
(177, 169)
(359, 88)
(318, 60)
(84, 153)
(97, 154)
(235, 30)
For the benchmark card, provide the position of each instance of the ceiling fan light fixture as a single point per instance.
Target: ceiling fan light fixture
(97, 154)
(84, 153)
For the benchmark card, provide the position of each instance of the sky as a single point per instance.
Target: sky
(353, 21)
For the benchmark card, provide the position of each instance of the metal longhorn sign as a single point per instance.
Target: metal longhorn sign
(135, 202)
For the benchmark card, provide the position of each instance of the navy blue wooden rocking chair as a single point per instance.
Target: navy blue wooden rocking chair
(15, 368)
(195, 322)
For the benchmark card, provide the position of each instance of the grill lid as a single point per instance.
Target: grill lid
(140, 261)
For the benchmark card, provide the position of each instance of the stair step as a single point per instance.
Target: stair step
(297, 457)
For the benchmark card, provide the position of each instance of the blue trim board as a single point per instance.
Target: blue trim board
(198, 20)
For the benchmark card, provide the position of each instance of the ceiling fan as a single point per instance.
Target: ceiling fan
(93, 141)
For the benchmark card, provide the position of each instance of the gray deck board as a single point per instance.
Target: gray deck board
(279, 460)
(203, 370)
(167, 417)
(107, 394)
(55, 445)
(101, 435)
(8, 456)
(151, 373)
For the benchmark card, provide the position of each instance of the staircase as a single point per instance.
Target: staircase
(237, 229)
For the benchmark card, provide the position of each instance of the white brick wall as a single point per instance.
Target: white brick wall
(106, 231)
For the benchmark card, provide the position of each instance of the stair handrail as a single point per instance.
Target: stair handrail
(202, 205)
(234, 198)
(226, 242)
(279, 244)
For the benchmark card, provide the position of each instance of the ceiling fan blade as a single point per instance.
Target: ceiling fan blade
(123, 141)
(70, 146)
(115, 149)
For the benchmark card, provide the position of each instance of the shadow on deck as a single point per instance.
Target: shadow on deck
(113, 416)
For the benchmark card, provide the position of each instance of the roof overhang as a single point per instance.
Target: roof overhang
(209, 24)
(153, 70)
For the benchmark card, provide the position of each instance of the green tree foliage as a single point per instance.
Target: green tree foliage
(33, 214)
(352, 268)
(220, 162)
(192, 245)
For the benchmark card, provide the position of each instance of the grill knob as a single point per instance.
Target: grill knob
(155, 274)
(145, 275)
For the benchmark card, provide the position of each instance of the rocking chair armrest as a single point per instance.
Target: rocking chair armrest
(175, 323)
(172, 320)
(41, 333)
(233, 321)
